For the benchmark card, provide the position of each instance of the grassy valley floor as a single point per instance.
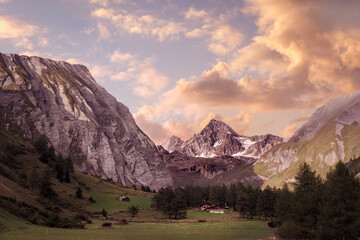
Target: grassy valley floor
(143, 231)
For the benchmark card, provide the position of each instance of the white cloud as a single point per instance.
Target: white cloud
(13, 28)
(147, 81)
(104, 32)
(103, 3)
(24, 43)
(122, 58)
(159, 132)
(145, 25)
(194, 14)
(219, 36)
(43, 42)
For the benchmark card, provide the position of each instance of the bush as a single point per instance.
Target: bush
(104, 212)
(79, 193)
(90, 199)
(122, 222)
(106, 224)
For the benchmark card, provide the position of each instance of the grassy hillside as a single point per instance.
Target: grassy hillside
(321, 152)
(19, 160)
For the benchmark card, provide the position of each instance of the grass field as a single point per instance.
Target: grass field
(109, 202)
(144, 231)
(9, 222)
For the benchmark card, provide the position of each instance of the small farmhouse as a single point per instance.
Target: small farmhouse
(124, 198)
(216, 209)
(205, 207)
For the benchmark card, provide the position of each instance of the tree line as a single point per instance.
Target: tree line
(308, 208)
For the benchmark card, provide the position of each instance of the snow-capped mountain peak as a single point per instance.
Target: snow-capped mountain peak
(218, 139)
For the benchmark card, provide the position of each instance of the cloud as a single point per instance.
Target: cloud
(194, 14)
(4, 1)
(43, 42)
(219, 36)
(303, 54)
(104, 32)
(147, 80)
(122, 58)
(103, 3)
(100, 72)
(159, 132)
(145, 25)
(294, 125)
(289, 130)
(24, 43)
(13, 28)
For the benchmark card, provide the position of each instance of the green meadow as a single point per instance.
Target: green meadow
(144, 231)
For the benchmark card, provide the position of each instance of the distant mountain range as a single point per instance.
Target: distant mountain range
(81, 119)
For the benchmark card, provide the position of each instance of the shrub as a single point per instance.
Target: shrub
(106, 224)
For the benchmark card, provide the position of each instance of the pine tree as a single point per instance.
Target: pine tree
(340, 207)
(266, 202)
(178, 205)
(78, 193)
(284, 204)
(231, 196)
(45, 186)
(307, 190)
(133, 210)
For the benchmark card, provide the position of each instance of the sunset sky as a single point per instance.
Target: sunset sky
(262, 66)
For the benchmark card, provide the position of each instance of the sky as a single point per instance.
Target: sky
(262, 66)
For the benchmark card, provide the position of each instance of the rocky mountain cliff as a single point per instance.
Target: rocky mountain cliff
(331, 134)
(219, 139)
(79, 117)
(217, 155)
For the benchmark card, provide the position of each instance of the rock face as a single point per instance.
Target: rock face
(217, 155)
(218, 139)
(80, 118)
(331, 134)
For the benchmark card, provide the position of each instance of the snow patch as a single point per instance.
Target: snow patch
(202, 155)
(218, 143)
(242, 154)
(338, 129)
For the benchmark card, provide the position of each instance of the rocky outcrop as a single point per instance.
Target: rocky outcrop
(172, 144)
(80, 118)
(219, 139)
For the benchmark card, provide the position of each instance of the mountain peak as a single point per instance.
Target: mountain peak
(172, 144)
(217, 126)
(80, 119)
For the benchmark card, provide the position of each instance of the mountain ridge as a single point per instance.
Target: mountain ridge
(330, 135)
(80, 118)
(218, 139)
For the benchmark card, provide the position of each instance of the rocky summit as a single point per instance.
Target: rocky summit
(219, 139)
(80, 118)
(216, 155)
